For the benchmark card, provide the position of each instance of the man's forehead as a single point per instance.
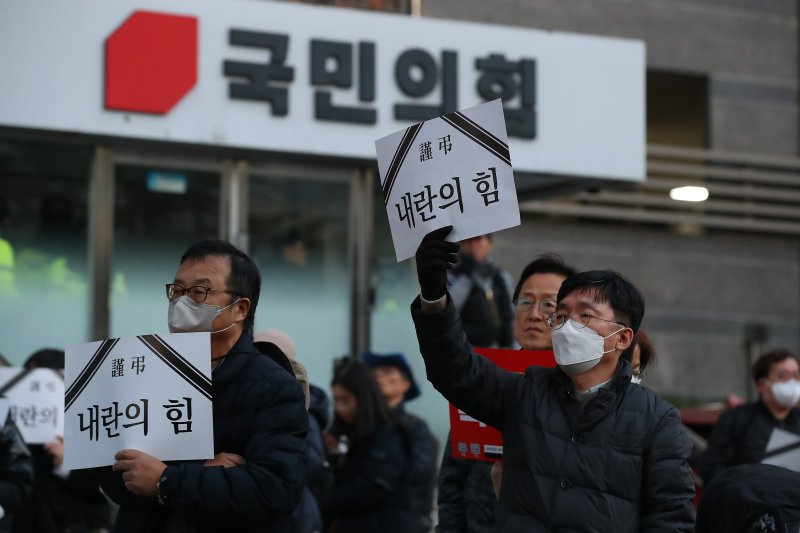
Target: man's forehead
(584, 298)
(204, 269)
(789, 364)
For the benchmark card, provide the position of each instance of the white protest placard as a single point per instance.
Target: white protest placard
(454, 169)
(151, 393)
(36, 402)
(783, 449)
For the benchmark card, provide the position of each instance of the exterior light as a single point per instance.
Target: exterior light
(689, 194)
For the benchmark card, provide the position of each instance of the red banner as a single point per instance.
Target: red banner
(472, 439)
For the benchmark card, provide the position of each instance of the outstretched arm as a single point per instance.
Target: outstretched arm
(471, 382)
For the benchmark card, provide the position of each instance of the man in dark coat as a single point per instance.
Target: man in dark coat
(466, 498)
(397, 384)
(254, 481)
(584, 450)
(740, 436)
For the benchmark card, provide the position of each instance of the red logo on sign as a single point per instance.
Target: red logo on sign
(151, 62)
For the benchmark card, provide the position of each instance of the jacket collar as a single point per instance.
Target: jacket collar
(232, 363)
(603, 402)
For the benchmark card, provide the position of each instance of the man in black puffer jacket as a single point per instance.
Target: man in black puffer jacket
(583, 449)
(254, 481)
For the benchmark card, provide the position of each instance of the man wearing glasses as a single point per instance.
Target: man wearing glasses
(584, 449)
(254, 481)
(466, 499)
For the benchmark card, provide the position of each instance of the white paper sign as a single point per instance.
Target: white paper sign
(454, 169)
(151, 393)
(36, 399)
(783, 449)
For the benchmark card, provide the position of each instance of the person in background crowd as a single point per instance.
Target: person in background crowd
(319, 478)
(16, 471)
(397, 384)
(740, 436)
(254, 481)
(751, 498)
(481, 293)
(583, 448)
(367, 455)
(640, 354)
(63, 501)
(466, 498)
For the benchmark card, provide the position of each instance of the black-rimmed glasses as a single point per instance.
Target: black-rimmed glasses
(525, 305)
(198, 293)
(579, 320)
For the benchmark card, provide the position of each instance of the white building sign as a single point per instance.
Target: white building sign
(316, 80)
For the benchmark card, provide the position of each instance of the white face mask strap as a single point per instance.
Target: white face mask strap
(611, 335)
(229, 326)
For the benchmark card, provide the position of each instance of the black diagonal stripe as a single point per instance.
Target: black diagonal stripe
(178, 363)
(478, 134)
(498, 145)
(397, 161)
(88, 372)
(782, 449)
(13, 381)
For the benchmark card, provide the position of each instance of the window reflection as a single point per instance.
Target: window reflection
(298, 238)
(158, 214)
(43, 250)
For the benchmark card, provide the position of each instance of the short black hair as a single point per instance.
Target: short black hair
(46, 358)
(764, 363)
(358, 379)
(244, 279)
(609, 287)
(544, 264)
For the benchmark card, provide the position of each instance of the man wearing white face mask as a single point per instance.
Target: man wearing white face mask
(584, 449)
(740, 435)
(254, 481)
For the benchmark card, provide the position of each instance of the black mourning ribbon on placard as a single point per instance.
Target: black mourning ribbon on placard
(178, 363)
(88, 372)
(397, 161)
(480, 135)
(460, 122)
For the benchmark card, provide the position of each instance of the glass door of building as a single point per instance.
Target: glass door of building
(160, 208)
(300, 236)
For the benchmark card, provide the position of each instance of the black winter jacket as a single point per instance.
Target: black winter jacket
(740, 436)
(742, 494)
(619, 465)
(366, 496)
(58, 504)
(419, 476)
(259, 414)
(16, 474)
(467, 503)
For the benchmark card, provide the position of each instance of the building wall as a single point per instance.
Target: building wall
(748, 49)
(701, 292)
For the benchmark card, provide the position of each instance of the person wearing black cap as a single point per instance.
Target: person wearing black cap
(396, 381)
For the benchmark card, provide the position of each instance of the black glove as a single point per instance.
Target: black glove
(435, 256)
(466, 264)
